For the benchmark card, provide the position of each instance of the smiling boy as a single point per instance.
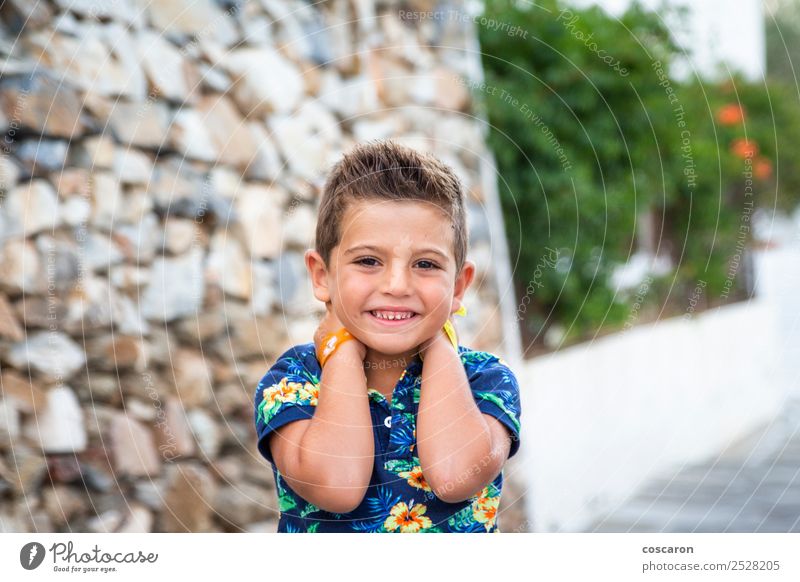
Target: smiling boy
(383, 423)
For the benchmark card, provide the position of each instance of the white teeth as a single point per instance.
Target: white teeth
(391, 315)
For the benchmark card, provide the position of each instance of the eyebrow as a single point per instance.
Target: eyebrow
(377, 250)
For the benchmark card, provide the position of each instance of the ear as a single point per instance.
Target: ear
(319, 275)
(463, 281)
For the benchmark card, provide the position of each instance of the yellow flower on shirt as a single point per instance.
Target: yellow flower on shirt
(407, 519)
(415, 478)
(287, 392)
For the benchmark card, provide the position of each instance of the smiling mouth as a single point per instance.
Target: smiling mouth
(398, 320)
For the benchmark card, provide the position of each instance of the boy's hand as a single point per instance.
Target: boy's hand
(329, 324)
(438, 341)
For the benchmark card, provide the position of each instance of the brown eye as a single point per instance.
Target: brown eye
(432, 265)
(361, 261)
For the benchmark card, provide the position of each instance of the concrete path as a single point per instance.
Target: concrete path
(752, 486)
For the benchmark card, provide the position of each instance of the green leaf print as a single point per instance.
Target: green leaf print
(267, 411)
(309, 509)
(500, 404)
(400, 465)
(463, 520)
(285, 500)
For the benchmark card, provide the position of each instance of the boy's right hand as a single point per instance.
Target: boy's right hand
(330, 324)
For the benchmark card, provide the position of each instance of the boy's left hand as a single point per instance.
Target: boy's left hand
(438, 341)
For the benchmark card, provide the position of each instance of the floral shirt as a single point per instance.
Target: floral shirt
(398, 498)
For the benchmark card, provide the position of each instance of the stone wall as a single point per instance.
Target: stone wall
(159, 176)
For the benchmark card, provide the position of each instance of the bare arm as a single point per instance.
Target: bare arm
(328, 458)
(461, 450)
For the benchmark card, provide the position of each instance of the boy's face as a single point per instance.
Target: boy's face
(409, 266)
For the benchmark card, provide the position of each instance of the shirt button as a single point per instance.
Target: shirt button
(387, 422)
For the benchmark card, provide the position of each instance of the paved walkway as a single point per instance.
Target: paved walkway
(752, 486)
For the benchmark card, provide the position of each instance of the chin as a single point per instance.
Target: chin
(390, 346)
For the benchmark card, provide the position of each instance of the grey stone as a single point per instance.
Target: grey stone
(205, 431)
(242, 503)
(28, 209)
(44, 104)
(164, 65)
(133, 448)
(228, 267)
(258, 209)
(9, 423)
(20, 270)
(176, 287)
(40, 156)
(60, 427)
(265, 81)
(138, 242)
(52, 354)
(140, 124)
(189, 497)
(312, 130)
(62, 260)
(120, 10)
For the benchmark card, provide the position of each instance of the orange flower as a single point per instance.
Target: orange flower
(284, 391)
(730, 114)
(762, 168)
(485, 510)
(408, 519)
(415, 478)
(310, 392)
(744, 148)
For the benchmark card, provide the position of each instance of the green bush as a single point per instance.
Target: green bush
(589, 132)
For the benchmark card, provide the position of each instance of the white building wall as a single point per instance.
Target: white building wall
(600, 419)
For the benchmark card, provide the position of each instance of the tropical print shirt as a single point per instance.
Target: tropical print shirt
(398, 498)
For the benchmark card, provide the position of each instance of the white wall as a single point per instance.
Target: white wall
(601, 418)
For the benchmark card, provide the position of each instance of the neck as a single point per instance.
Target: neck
(383, 370)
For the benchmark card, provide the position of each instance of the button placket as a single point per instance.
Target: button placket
(402, 402)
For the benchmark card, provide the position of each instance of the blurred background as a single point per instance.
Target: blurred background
(632, 182)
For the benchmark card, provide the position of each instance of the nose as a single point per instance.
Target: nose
(396, 280)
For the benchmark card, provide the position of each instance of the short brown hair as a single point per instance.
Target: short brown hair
(386, 170)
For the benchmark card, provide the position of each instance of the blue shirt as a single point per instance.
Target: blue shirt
(398, 498)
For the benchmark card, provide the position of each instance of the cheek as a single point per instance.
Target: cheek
(439, 290)
(352, 292)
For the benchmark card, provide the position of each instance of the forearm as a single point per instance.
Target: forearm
(335, 454)
(453, 437)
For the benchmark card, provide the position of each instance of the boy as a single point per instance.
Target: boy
(384, 423)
